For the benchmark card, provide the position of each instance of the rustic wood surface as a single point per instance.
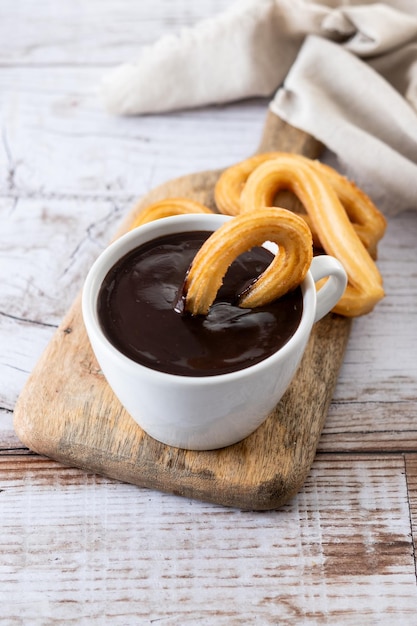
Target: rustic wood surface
(78, 548)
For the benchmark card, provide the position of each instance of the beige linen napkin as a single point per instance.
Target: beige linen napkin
(355, 113)
(346, 72)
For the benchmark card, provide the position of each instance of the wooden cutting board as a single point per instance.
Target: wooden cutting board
(68, 412)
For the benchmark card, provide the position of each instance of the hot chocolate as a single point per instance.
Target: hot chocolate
(137, 311)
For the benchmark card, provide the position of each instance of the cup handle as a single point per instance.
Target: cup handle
(324, 266)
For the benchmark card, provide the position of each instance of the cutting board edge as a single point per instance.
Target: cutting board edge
(270, 494)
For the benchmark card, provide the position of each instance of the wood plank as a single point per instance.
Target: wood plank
(390, 355)
(411, 476)
(46, 248)
(375, 401)
(49, 111)
(370, 427)
(22, 345)
(8, 438)
(94, 33)
(87, 548)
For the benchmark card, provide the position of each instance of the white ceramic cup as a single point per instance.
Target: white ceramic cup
(202, 413)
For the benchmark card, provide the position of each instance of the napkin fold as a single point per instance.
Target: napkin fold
(355, 113)
(346, 72)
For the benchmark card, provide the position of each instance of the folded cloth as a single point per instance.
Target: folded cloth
(245, 51)
(346, 72)
(355, 113)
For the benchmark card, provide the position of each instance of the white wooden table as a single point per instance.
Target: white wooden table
(82, 549)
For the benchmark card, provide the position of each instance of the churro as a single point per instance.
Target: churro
(334, 228)
(368, 222)
(286, 271)
(168, 208)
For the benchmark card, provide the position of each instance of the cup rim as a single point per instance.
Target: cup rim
(140, 235)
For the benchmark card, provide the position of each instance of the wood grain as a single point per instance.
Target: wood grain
(101, 35)
(68, 412)
(78, 548)
(339, 553)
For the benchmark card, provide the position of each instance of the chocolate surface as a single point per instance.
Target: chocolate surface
(136, 308)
